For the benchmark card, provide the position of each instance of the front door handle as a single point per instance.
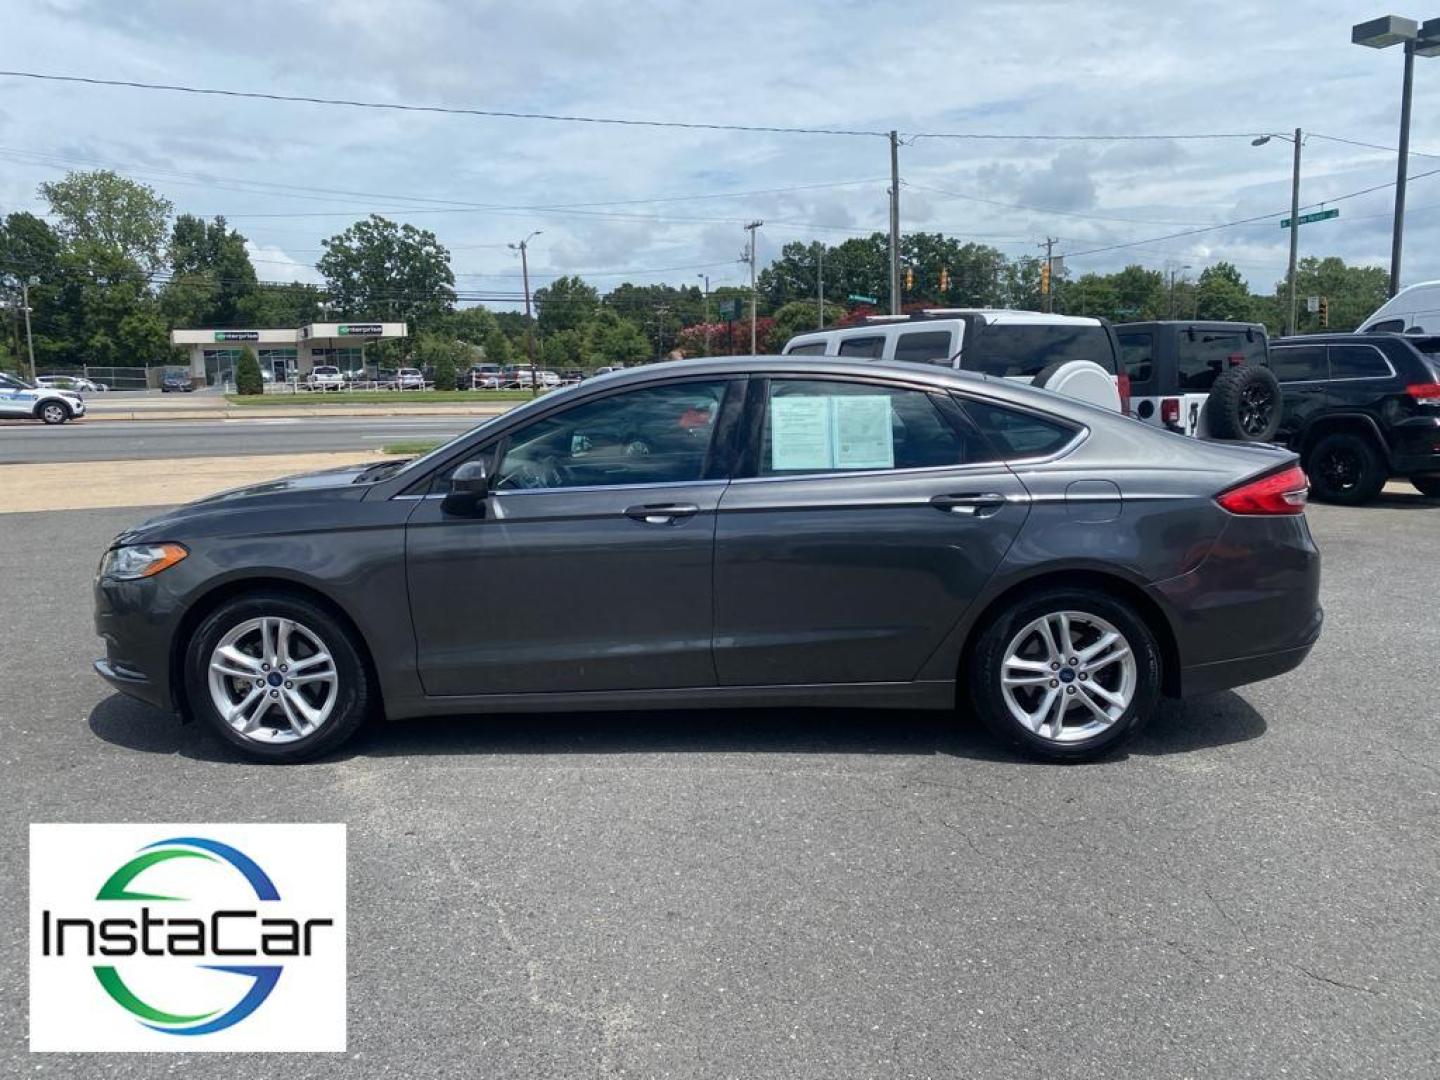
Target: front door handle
(661, 513)
(975, 505)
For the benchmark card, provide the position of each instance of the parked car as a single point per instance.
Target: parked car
(571, 376)
(480, 377)
(407, 378)
(324, 377)
(1360, 410)
(808, 531)
(23, 400)
(176, 382)
(1201, 378)
(78, 383)
(1415, 309)
(1067, 354)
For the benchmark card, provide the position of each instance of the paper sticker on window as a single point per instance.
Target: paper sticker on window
(862, 436)
(801, 436)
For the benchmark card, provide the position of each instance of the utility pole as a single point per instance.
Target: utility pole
(751, 259)
(522, 247)
(660, 312)
(1049, 277)
(894, 224)
(706, 278)
(25, 284)
(1397, 241)
(1295, 233)
(819, 285)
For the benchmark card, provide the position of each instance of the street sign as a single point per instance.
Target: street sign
(1312, 304)
(860, 298)
(1306, 219)
(729, 310)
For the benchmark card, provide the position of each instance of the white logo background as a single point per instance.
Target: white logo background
(70, 1011)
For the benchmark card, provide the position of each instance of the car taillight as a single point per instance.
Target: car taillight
(1170, 410)
(1425, 393)
(1282, 492)
(1122, 383)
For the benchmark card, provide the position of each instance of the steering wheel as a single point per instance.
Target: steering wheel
(536, 475)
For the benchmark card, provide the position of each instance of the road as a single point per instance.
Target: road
(1248, 892)
(27, 443)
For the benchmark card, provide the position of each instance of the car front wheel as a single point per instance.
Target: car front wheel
(1065, 675)
(54, 412)
(278, 677)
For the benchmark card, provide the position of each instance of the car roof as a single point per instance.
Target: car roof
(1343, 337)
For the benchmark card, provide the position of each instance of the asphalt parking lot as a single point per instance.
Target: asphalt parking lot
(1250, 891)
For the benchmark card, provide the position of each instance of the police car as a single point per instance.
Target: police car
(1205, 379)
(21, 400)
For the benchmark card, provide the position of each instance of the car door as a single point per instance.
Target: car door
(1303, 373)
(16, 399)
(590, 568)
(865, 519)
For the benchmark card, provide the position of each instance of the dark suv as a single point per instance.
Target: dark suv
(1360, 409)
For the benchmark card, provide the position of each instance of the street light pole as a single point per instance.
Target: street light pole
(523, 247)
(706, 278)
(25, 284)
(894, 224)
(819, 285)
(751, 259)
(1172, 288)
(1292, 320)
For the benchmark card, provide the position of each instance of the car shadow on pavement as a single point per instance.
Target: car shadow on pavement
(1178, 727)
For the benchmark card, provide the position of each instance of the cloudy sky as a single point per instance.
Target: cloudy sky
(667, 204)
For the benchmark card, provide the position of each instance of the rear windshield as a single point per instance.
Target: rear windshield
(1015, 351)
(1202, 355)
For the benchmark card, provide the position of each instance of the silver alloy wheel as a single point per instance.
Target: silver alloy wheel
(53, 414)
(1067, 676)
(273, 680)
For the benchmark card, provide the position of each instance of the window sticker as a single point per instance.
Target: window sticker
(800, 434)
(861, 432)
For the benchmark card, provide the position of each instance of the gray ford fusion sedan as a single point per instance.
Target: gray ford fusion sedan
(755, 531)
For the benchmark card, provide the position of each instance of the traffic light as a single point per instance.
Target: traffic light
(944, 280)
(909, 278)
(1324, 312)
(1045, 278)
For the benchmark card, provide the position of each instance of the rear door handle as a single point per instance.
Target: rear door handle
(661, 513)
(975, 505)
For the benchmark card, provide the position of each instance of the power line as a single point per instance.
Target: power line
(1367, 145)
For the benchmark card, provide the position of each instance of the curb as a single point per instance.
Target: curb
(281, 413)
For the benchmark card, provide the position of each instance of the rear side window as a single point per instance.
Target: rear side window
(814, 348)
(1137, 353)
(869, 348)
(924, 347)
(1203, 355)
(1298, 363)
(1023, 351)
(1389, 326)
(1015, 434)
(1358, 362)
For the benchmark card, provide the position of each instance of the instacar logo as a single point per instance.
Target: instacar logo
(188, 943)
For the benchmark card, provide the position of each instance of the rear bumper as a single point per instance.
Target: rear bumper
(1415, 446)
(1225, 674)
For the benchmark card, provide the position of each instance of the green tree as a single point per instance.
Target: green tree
(444, 355)
(247, 373)
(660, 311)
(612, 339)
(1222, 294)
(567, 303)
(497, 348)
(29, 249)
(213, 282)
(100, 214)
(799, 317)
(379, 269)
(564, 349)
(291, 304)
(1353, 292)
(472, 324)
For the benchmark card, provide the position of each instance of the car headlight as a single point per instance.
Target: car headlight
(136, 561)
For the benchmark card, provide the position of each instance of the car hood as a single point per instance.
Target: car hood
(328, 485)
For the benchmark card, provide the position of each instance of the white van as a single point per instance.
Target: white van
(1415, 309)
(1068, 354)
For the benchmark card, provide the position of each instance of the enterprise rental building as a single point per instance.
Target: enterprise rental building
(284, 354)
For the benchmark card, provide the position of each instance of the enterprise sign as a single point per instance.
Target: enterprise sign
(237, 335)
(361, 330)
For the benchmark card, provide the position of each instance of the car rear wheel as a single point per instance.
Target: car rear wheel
(54, 412)
(1345, 468)
(1065, 675)
(277, 677)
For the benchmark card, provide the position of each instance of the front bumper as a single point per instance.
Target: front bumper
(135, 620)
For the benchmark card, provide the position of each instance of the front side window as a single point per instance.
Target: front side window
(653, 435)
(813, 348)
(1389, 326)
(1298, 363)
(829, 426)
(1011, 350)
(1137, 353)
(868, 348)
(1358, 362)
(924, 347)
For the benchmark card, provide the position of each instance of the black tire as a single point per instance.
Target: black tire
(1345, 468)
(53, 412)
(354, 697)
(984, 673)
(1245, 404)
(1427, 485)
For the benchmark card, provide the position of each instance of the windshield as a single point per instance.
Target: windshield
(13, 382)
(410, 465)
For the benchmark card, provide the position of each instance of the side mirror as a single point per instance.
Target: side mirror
(469, 488)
